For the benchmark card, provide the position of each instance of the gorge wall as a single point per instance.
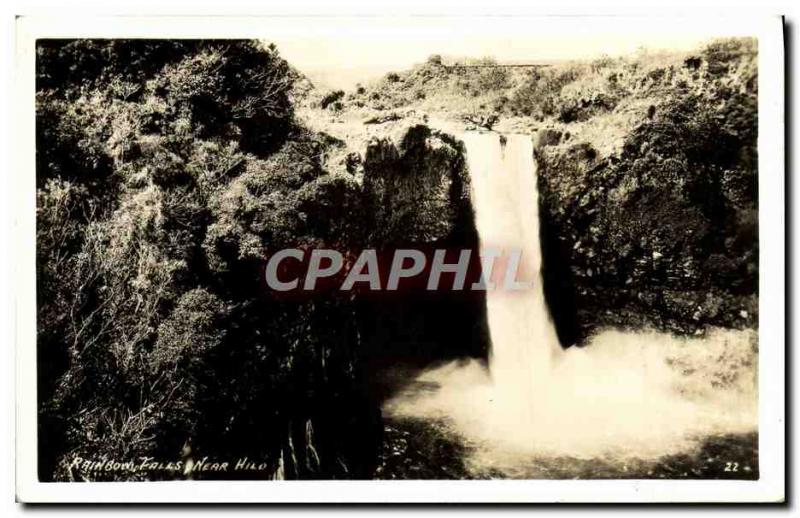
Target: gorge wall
(418, 196)
(662, 230)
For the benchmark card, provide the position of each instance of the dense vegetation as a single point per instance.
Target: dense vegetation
(165, 171)
(661, 226)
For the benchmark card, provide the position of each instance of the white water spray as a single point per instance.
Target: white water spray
(626, 394)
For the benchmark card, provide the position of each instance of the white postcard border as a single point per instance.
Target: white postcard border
(769, 488)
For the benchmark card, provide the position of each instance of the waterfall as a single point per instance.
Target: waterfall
(626, 394)
(505, 199)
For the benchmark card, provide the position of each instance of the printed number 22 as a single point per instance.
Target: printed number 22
(731, 466)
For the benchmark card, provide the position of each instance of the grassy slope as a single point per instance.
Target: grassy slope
(599, 100)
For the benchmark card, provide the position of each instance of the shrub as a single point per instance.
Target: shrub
(330, 98)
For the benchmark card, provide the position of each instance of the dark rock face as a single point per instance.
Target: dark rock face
(417, 196)
(417, 187)
(663, 234)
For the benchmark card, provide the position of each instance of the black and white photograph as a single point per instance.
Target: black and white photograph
(494, 249)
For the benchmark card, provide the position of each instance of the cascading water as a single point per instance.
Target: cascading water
(626, 394)
(505, 200)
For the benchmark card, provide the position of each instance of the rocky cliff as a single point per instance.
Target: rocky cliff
(418, 196)
(660, 230)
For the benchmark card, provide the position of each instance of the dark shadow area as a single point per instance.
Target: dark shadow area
(558, 283)
(406, 331)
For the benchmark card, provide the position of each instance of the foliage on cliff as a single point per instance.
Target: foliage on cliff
(416, 191)
(167, 172)
(661, 226)
(418, 187)
(536, 95)
(165, 169)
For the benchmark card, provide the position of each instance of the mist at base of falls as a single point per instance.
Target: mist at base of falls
(624, 395)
